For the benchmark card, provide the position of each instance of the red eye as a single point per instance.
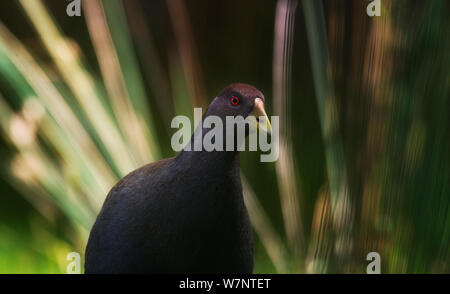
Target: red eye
(234, 101)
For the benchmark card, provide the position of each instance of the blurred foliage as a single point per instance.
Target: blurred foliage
(363, 104)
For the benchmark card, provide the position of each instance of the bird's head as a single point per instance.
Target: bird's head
(241, 100)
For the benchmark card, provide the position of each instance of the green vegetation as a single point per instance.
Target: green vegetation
(364, 114)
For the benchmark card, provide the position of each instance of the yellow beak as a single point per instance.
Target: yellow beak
(262, 120)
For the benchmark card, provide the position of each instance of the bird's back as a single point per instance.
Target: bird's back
(162, 219)
(116, 230)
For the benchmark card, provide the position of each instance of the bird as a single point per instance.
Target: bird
(184, 214)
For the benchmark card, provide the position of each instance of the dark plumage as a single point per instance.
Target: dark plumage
(179, 215)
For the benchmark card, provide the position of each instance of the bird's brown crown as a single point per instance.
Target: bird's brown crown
(244, 90)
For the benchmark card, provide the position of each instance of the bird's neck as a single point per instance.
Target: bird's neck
(210, 161)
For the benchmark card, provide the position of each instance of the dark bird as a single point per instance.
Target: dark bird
(184, 214)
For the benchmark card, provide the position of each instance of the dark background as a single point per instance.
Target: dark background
(233, 41)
